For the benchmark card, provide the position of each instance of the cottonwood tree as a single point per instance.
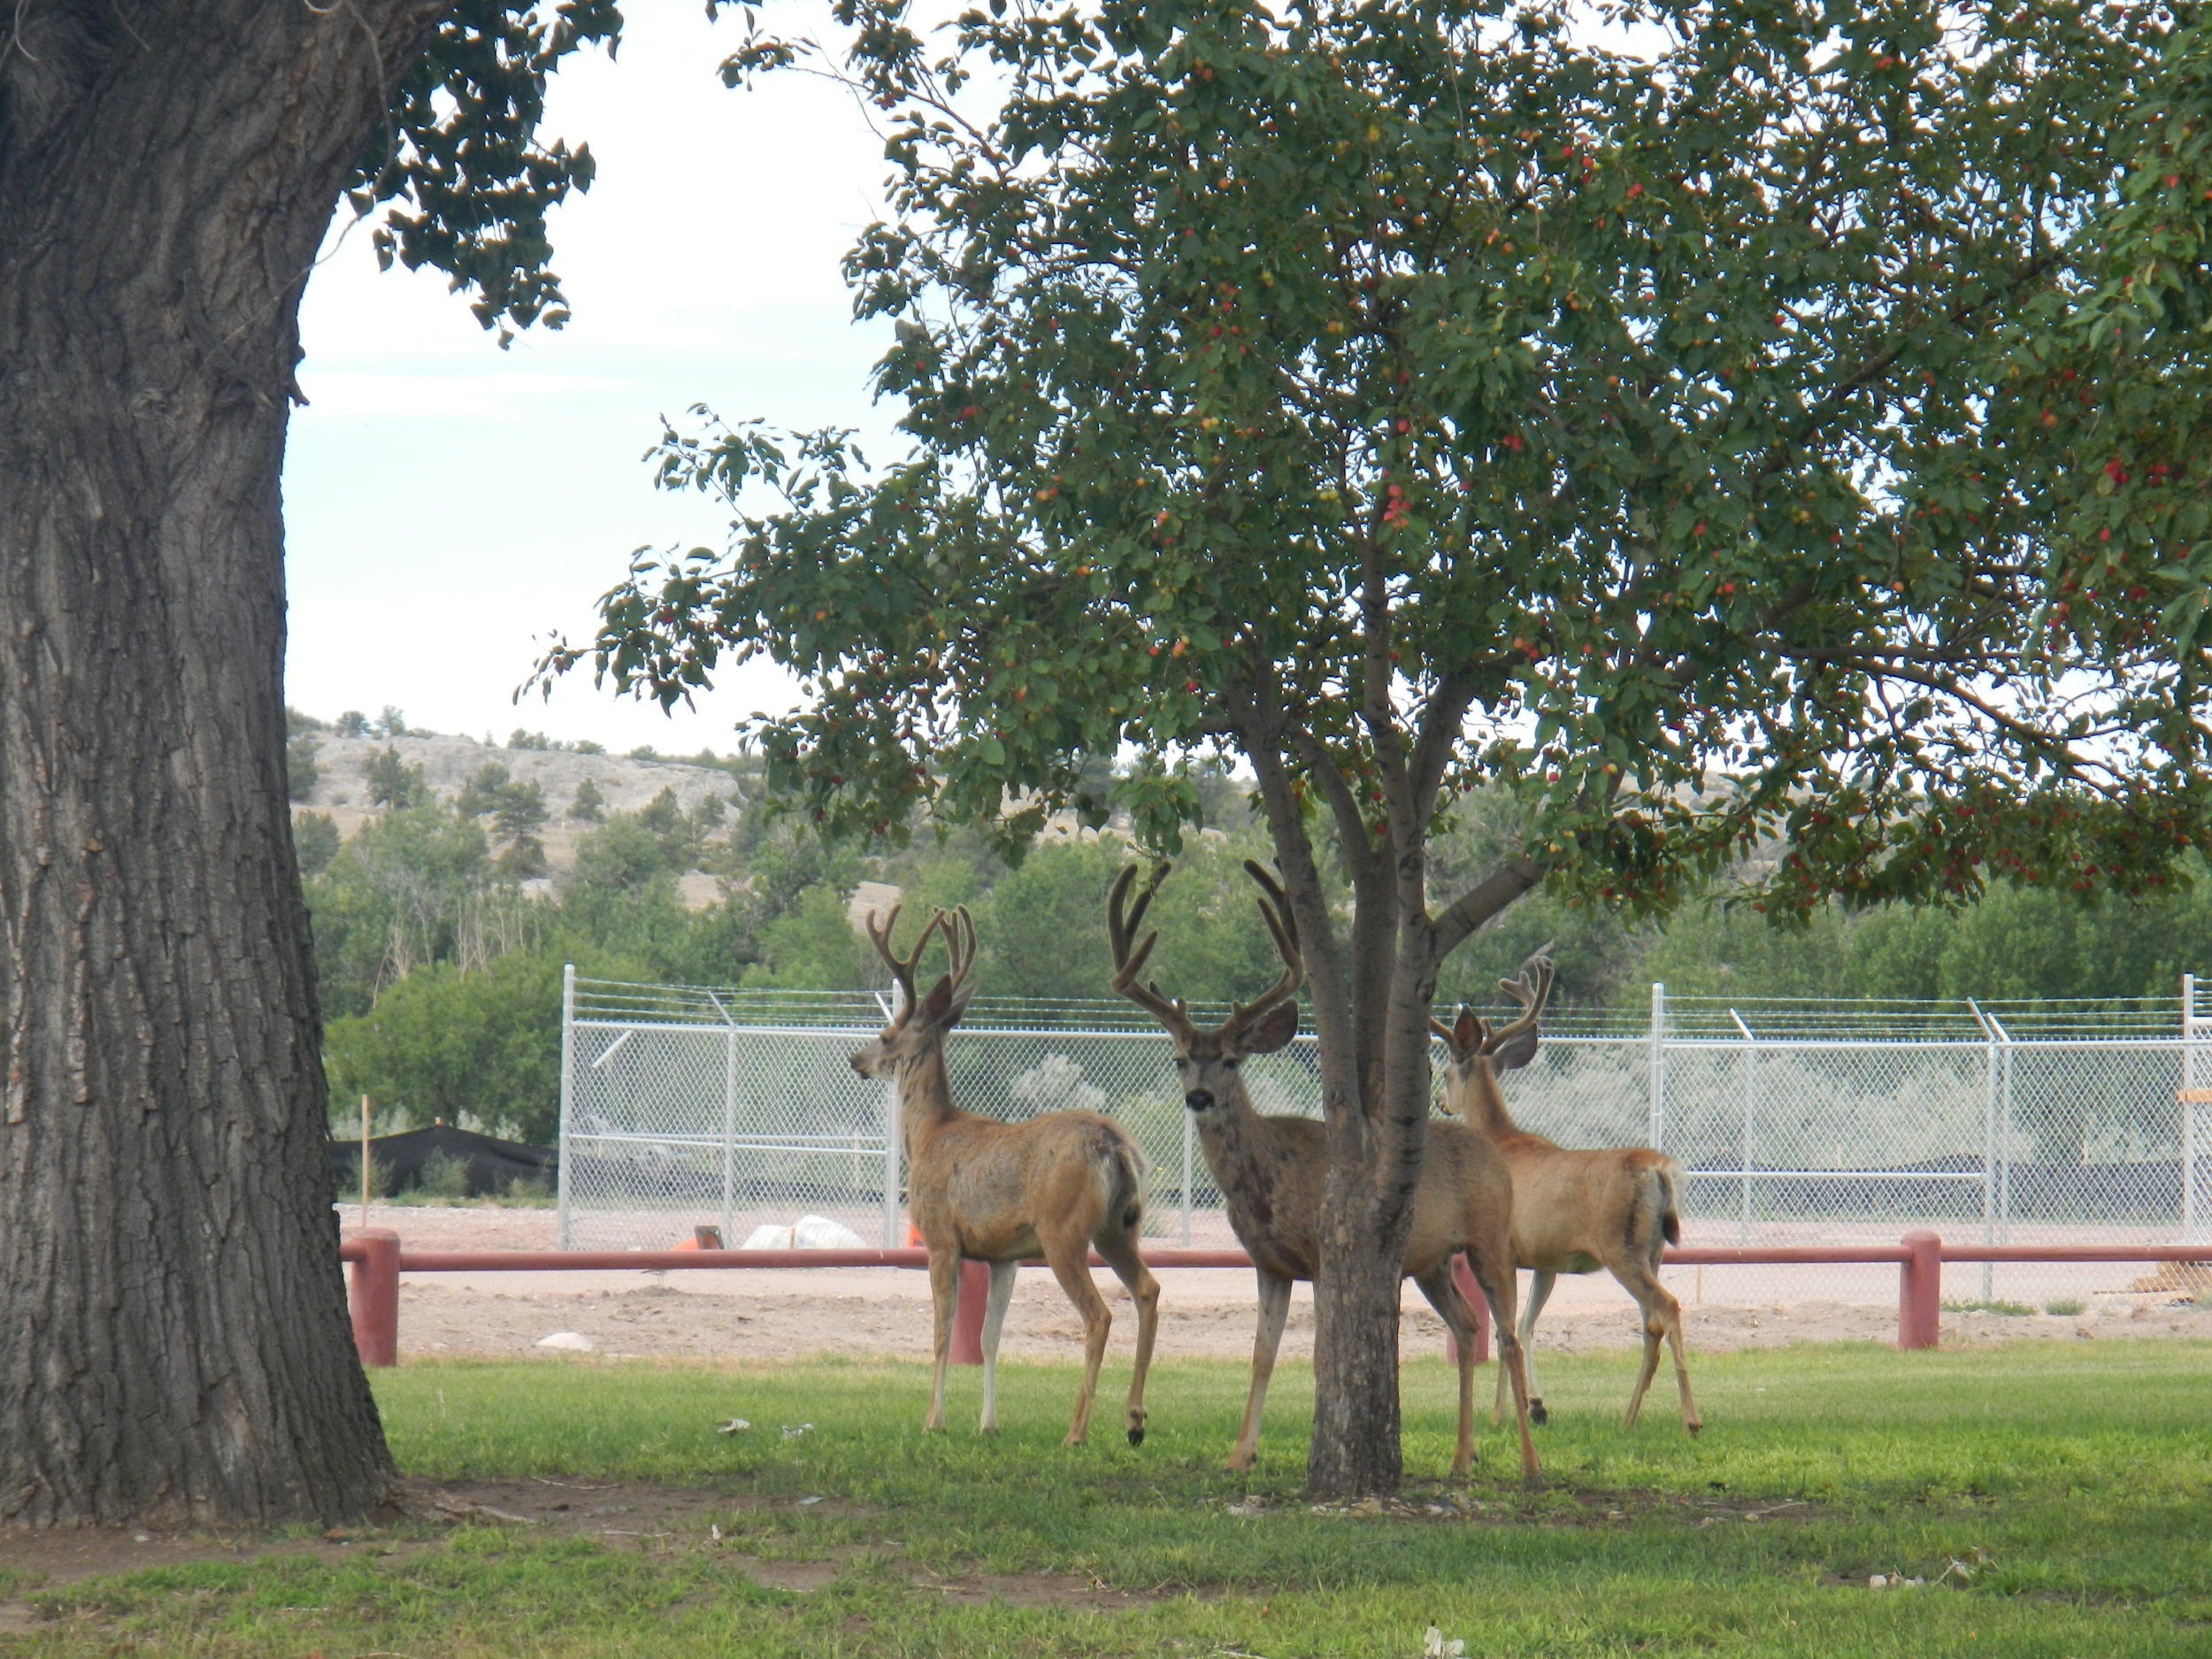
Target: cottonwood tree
(173, 1342)
(1636, 416)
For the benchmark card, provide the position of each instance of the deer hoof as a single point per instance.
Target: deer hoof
(1691, 1429)
(1136, 1433)
(1537, 1414)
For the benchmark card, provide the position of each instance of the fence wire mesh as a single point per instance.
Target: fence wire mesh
(1794, 1123)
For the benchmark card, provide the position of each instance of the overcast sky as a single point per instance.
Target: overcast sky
(447, 503)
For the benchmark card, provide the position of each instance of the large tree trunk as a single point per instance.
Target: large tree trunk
(174, 1341)
(1355, 1289)
(1377, 1143)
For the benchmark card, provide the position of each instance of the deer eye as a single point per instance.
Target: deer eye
(1232, 1061)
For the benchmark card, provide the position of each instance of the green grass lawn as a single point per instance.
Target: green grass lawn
(2081, 1474)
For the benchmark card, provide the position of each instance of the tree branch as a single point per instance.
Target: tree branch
(1440, 734)
(1485, 900)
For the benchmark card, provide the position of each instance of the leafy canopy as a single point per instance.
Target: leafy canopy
(459, 168)
(1685, 416)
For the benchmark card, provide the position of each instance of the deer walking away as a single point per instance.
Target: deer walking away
(1574, 1210)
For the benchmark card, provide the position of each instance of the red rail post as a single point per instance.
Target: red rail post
(1464, 1277)
(1920, 1291)
(374, 1295)
(967, 1317)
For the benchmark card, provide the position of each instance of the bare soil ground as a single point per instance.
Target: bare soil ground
(1203, 1312)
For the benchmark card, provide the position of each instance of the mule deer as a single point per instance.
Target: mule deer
(1057, 1185)
(1573, 1211)
(1270, 1169)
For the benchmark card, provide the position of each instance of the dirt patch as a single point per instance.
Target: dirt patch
(51, 1559)
(846, 1315)
(617, 1510)
(621, 1514)
(41, 1563)
(1550, 1503)
(798, 1578)
(1065, 1590)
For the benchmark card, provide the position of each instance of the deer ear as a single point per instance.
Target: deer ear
(959, 1003)
(938, 1003)
(1273, 1032)
(1464, 1034)
(1515, 1051)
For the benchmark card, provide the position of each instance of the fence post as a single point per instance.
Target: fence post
(1750, 1100)
(1920, 1291)
(967, 1317)
(1658, 1128)
(374, 1296)
(1464, 1277)
(2188, 1107)
(1989, 1134)
(891, 1240)
(364, 1160)
(729, 1121)
(2004, 1135)
(568, 1097)
(1187, 1119)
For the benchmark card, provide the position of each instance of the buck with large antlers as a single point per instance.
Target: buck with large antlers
(1574, 1211)
(1269, 1170)
(1058, 1186)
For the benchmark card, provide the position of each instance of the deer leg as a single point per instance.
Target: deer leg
(1539, 1287)
(944, 1295)
(1663, 1319)
(1120, 1251)
(1459, 1319)
(1650, 1367)
(1070, 1257)
(1274, 1312)
(1493, 1267)
(994, 1321)
(1691, 1421)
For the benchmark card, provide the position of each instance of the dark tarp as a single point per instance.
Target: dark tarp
(493, 1166)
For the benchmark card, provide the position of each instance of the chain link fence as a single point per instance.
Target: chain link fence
(1796, 1122)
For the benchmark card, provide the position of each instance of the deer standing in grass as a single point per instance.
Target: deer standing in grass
(1574, 1211)
(1057, 1185)
(1269, 1170)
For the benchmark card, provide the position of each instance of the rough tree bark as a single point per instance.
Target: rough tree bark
(173, 1342)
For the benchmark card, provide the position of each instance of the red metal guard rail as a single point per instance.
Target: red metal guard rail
(378, 1260)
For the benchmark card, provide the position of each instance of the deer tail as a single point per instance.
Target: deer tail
(1669, 1209)
(1121, 1171)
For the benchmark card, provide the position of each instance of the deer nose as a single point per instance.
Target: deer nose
(1200, 1100)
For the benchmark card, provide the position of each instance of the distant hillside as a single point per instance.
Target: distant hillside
(341, 787)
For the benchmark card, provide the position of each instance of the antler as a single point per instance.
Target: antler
(1284, 926)
(959, 947)
(1532, 990)
(1120, 929)
(902, 969)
